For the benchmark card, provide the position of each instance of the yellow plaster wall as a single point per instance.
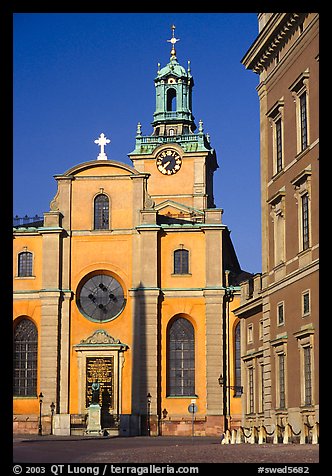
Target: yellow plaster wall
(194, 242)
(176, 184)
(120, 197)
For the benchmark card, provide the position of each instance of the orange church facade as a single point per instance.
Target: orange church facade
(130, 281)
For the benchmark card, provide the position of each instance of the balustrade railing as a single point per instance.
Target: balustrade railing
(28, 221)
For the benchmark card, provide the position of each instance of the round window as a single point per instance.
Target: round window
(101, 298)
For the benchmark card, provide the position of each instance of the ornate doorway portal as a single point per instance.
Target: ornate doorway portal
(100, 359)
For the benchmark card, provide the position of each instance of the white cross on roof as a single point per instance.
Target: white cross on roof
(102, 141)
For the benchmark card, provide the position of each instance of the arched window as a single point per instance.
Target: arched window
(237, 360)
(25, 359)
(181, 358)
(181, 261)
(171, 99)
(25, 264)
(101, 212)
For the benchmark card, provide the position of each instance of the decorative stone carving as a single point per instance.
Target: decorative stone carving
(100, 337)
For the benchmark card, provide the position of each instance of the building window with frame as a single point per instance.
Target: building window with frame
(302, 187)
(276, 118)
(25, 359)
(250, 333)
(181, 358)
(280, 314)
(281, 386)
(25, 264)
(280, 365)
(305, 303)
(101, 212)
(181, 261)
(278, 140)
(305, 221)
(300, 92)
(307, 376)
(251, 394)
(237, 360)
(303, 121)
(261, 370)
(305, 338)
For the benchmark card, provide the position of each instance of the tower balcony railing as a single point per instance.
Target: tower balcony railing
(28, 221)
(177, 115)
(175, 138)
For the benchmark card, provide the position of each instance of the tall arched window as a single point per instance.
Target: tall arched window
(171, 99)
(25, 359)
(25, 264)
(181, 358)
(181, 261)
(237, 360)
(101, 212)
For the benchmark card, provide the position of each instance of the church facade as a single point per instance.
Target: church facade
(130, 282)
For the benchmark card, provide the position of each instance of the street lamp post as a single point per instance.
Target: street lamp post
(40, 428)
(52, 416)
(149, 410)
(227, 410)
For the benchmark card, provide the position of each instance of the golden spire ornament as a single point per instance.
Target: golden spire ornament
(173, 40)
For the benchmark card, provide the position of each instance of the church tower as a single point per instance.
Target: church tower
(181, 162)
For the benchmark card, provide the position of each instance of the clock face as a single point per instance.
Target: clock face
(101, 298)
(168, 162)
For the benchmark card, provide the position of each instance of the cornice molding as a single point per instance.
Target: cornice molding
(273, 36)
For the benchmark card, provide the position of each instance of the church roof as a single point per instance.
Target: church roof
(99, 163)
(173, 68)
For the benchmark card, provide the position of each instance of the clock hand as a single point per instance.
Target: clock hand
(167, 164)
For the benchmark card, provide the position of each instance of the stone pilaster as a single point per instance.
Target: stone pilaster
(50, 310)
(214, 351)
(146, 358)
(267, 362)
(49, 347)
(64, 353)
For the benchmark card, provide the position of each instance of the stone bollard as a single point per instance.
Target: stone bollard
(262, 435)
(227, 438)
(254, 435)
(315, 433)
(240, 436)
(287, 434)
(304, 434)
(276, 435)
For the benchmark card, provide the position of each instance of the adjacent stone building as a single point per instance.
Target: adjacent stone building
(279, 308)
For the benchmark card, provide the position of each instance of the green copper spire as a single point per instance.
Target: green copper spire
(173, 121)
(173, 97)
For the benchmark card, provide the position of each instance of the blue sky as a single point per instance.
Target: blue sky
(79, 74)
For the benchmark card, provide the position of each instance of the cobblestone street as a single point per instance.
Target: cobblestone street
(157, 450)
